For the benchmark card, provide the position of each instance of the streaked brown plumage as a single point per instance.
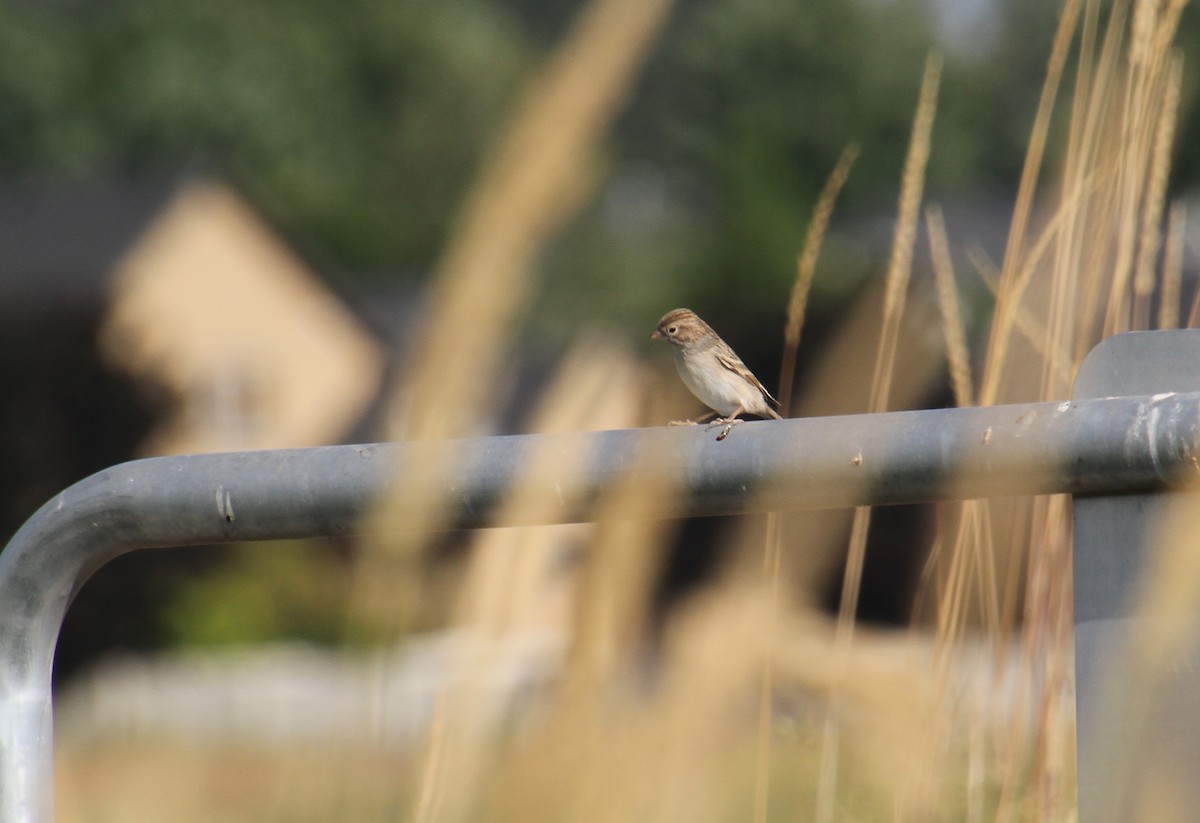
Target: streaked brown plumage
(712, 371)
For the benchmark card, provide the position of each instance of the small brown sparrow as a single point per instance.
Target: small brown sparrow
(712, 372)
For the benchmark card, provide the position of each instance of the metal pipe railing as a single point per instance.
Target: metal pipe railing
(1108, 445)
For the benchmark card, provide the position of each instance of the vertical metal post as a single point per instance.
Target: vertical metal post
(1130, 743)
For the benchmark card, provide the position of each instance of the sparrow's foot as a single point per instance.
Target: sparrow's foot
(727, 424)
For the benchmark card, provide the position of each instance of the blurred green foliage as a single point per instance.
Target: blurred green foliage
(293, 590)
(357, 126)
(740, 117)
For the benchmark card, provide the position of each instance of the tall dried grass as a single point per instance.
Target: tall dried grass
(538, 176)
(1086, 268)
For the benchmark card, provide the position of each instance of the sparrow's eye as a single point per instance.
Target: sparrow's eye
(671, 330)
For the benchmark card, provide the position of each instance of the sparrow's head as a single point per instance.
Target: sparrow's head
(681, 327)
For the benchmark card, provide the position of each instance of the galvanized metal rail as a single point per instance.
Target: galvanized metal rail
(1139, 444)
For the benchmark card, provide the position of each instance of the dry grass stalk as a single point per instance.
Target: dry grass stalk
(515, 581)
(1005, 311)
(1072, 242)
(1131, 173)
(1146, 126)
(899, 271)
(971, 569)
(430, 787)
(772, 553)
(1172, 267)
(957, 352)
(896, 288)
(1046, 637)
(533, 183)
(537, 177)
(1152, 209)
(616, 584)
(1059, 361)
(1193, 317)
(806, 268)
(972, 557)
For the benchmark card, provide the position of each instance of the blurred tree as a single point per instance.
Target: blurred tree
(356, 124)
(737, 121)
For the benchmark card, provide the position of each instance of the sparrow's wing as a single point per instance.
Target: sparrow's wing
(734, 363)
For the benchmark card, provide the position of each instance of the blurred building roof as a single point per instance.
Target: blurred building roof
(199, 296)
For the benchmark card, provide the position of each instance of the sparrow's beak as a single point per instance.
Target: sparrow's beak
(656, 335)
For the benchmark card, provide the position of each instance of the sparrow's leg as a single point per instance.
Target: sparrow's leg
(728, 422)
(703, 419)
